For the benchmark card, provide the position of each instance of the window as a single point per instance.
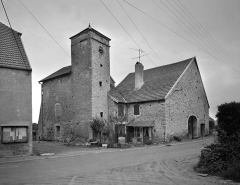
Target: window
(101, 114)
(136, 109)
(120, 110)
(100, 83)
(58, 110)
(101, 50)
(14, 134)
(121, 130)
(58, 131)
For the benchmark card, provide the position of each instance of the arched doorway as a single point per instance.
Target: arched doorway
(192, 127)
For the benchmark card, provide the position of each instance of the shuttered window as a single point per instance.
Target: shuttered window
(120, 110)
(136, 109)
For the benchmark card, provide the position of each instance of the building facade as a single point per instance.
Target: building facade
(76, 94)
(15, 95)
(156, 104)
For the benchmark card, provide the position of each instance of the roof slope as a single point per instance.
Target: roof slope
(114, 92)
(63, 71)
(157, 83)
(12, 53)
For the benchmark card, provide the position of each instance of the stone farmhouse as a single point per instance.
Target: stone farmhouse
(158, 103)
(15, 95)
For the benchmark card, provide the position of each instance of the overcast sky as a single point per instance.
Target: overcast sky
(166, 40)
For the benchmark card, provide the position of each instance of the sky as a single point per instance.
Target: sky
(168, 31)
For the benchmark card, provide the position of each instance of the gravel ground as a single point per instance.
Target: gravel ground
(166, 172)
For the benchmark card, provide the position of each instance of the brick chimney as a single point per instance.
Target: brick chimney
(138, 75)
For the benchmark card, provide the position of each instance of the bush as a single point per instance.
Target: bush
(223, 157)
(97, 125)
(176, 138)
(233, 172)
(228, 116)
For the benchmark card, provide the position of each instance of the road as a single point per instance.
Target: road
(148, 165)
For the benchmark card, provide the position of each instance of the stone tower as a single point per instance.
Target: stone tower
(90, 74)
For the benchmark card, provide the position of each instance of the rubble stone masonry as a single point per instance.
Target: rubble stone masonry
(187, 99)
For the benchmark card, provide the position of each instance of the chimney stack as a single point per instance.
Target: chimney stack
(138, 75)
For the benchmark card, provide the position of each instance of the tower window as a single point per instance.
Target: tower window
(58, 130)
(101, 50)
(101, 114)
(136, 109)
(100, 83)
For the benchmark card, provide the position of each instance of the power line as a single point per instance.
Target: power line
(169, 28)
(205, 31)
(217, 51)
(44, 28)
(26, 65)
(176, 21)
(139, 31)
(187, 25)
(174, 31)
(124, 28)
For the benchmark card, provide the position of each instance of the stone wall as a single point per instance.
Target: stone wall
(151, 111)
(15, 108)
(100, 75)
(56, 107)
(187, 99)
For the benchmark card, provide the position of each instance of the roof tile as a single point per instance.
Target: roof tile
(157, 83)
(12, 53)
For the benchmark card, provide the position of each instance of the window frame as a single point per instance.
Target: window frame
(16, 140)
(120, 110)
(135, 111)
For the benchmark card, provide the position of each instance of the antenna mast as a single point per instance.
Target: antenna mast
(139, 55)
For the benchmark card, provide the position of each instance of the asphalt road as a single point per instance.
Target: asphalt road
(64, 170)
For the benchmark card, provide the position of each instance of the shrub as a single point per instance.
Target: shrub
(176, 138)
(233, 172)
(228, 116)
(97, 125)
(223, 157)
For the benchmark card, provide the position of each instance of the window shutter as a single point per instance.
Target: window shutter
(136, 109)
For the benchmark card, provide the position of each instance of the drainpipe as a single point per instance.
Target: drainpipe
(41, 106)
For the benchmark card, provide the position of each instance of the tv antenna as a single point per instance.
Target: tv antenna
(139, 56)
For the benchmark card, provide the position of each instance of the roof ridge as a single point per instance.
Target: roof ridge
(167, 64)
(10, 28)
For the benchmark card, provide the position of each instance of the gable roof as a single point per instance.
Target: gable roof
(157, 83)
(63, 71)
(12, 53)
(90, 29)
(116, 95)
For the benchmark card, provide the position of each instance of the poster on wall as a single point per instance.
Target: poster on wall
(14, 134)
